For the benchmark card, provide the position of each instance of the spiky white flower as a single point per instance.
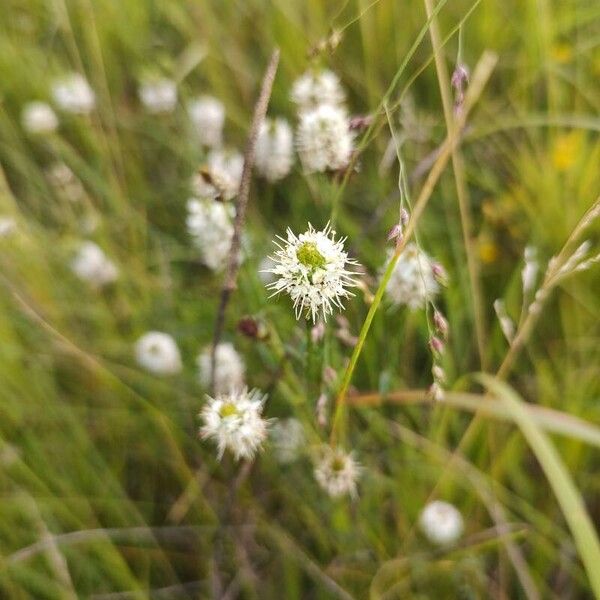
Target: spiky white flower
(311, 268)
(210, 224)
(208, 116)
(441, 522)
(324, 139)
(274, 149)
(288, 439)
(158, 353)
(337, 472)
(220, 177)
(229, 368)
(413, 280)
(265, 272)
(158, 95)
(315, 88)
(38, 118)
(8, 226)
(92, 265)
(72, 93)
(234, 421)
(65, 182)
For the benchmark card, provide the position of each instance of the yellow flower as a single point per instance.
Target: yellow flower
(562, 53)
(488, 251)
(565, 150)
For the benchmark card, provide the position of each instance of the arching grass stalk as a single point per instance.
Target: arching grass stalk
(481, 74)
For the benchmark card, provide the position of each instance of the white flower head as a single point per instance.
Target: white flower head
(337, 472)
(210, 224)
(234, 421)
(229, 368)
(38, 118)
(65, 182)
(441, 523)
(92, 265)
(220, 177)
(324, 139)
(72, 93)
(274, 149)
(288, 439)
(208, 116)
(413, 280)
(158, 353)
(311, 268)
(8, 226)
(158, 95)
(315, 88)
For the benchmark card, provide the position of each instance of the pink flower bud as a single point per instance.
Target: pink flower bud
(440, 274)
(441, 325)
(436, 345)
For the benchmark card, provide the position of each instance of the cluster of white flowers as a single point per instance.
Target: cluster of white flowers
(158, 353)
(413, 280)
(441, 523)
(337, 472)
(288, 439)
(38, 118)
(229, 368)
(210, 225)
(158, 95)
(234, 421)
(65, 182)
(311, 268)
(8, 226)
(315, 88)
(208, 116)
(220, 177)
(324, 138)
(274, 149)
(92, 265)
(72, 93)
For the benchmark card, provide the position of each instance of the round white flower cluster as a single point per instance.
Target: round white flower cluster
(8, 226)
(234, 421)
(72, 93)
(207, 115)
(441, 523)
(324, 139)
(158, 95)
(229, 368)
(158, 353)
(288, 439)
(65, 182)
(337, 472)
(92, 265)
(413, 280)
(209, 223)
(38, 118)
(274, 149)
(220, 177)
(311, 268)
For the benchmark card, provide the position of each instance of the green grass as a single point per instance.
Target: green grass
(106, 489)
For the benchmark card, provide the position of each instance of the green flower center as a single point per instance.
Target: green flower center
(337, 464)
(309, 256)
(227, 410)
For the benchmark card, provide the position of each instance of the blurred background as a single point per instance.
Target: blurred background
(107, 490)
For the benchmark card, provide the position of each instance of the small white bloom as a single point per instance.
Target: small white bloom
(158, 96)
(38, 117)
(229, 368)
(324, 139)
(441, 522)
(311, 268)
(316, 88)
(506, 323)
(413, 280)
(8, 226)
(65, 182)
(208, 116)
(158, 353)
(530, 269)
(92, 265)
(220, 177)
(337, 472)
(72, 93)
(274, 149)
(210, 224)
(235, 422)
(288, 439)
